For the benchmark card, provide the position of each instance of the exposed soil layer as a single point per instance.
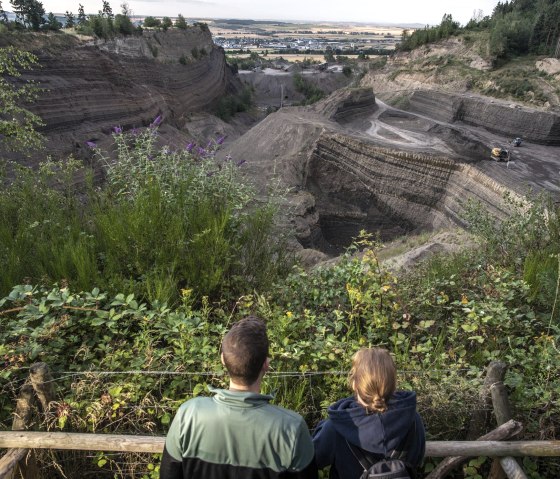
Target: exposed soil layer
(353, 163)
(90, 87)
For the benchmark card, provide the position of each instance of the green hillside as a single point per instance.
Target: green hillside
(515, 28)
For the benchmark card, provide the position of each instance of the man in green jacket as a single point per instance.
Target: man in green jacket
(237, 433)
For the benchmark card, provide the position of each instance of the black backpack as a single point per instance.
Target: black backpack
(393, 466)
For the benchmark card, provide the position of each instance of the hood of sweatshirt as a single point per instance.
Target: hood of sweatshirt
(378, 433)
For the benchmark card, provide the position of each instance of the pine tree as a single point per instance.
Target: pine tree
(19, 8)
(166, 23)
(107, 10)
(82, 19)
(29, 12)
(70, 23)
(180, 23)
(36, 14)
(52, 23)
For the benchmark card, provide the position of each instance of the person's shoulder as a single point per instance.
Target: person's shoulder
(285, 415)
(194, 404)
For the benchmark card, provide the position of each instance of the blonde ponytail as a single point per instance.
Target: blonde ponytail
(373, 378)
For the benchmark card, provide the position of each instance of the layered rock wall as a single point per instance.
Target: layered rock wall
(348, 103)
(357, 185)
(167, 47)
(498, 117)
(90, 87)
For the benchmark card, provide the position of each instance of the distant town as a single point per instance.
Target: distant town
(237, 36)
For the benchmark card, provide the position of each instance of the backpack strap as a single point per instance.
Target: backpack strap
(365, 461)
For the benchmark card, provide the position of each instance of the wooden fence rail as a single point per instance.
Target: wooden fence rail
(154, 444)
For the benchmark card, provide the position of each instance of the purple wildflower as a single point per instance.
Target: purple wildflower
(157, 120)
(209, 144)
(91, 144)
(117, 130)
(201, 151)
(239, 163)
(220, 140)
(190, 146)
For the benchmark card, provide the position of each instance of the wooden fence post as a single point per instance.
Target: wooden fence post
(21, 462)
(504, 466)
(495, 373)
(42, 382)
(512, 468)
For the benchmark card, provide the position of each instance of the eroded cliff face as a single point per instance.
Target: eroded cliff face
(342, 181)
(503, 118)
(358, 185)
(89, 87)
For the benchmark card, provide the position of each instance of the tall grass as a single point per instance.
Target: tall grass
(164, 221)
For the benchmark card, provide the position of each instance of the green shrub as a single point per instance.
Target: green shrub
(163, 221)
(153, 49)
(123, 25)
(310, 91)
(229, 105)
(18, 124)
(443, 322)
(528, 240)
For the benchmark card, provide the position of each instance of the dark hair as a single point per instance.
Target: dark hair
(245, 349)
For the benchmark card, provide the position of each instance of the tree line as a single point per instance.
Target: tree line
(31, 15)
(515, 27)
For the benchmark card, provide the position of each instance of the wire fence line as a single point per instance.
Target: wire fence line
(148, 372)
(64, 375)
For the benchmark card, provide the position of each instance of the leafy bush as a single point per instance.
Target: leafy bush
(17, 124)
(151, 22)
(528, 240)
(123, 25)
(443, 322)
(310, 91)
(165, 220)
(510, 36)
(229, 105)
(153, 49)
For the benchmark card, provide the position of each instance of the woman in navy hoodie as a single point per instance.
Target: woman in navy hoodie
(376, 420)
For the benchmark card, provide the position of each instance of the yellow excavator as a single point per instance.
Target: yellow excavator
(500, 154)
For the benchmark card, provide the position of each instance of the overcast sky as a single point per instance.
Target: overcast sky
(367, 11)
